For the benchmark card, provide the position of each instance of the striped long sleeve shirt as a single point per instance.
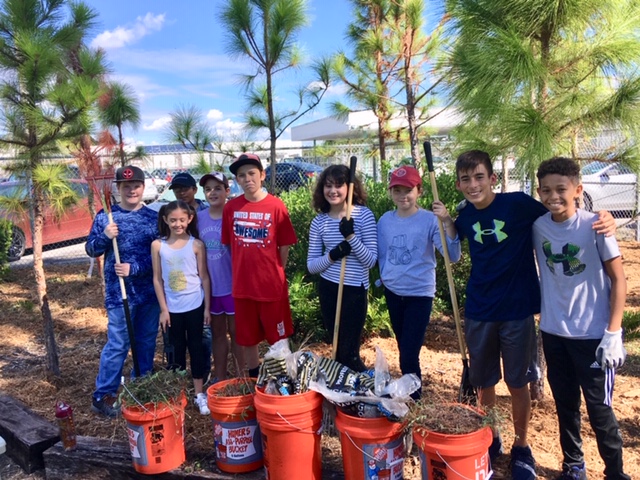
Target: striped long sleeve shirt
(324, 234)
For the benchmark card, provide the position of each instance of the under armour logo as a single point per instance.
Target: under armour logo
(127, 173)
(570, 264)
(498, 225)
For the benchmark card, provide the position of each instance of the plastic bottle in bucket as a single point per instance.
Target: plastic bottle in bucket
(64, 417)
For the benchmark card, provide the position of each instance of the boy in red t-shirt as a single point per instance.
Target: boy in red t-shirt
(259, 232)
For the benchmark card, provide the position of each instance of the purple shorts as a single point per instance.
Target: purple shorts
(222, 305)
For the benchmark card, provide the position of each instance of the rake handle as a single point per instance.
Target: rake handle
(343, 266)
(125, 305)
(445, 249)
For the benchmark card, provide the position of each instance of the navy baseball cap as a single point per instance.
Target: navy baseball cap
(182, 180)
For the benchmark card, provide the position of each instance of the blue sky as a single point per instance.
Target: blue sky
(172, 53)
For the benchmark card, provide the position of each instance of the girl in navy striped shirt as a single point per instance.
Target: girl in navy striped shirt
(333, 237)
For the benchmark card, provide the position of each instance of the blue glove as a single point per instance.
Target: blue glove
(611, 353)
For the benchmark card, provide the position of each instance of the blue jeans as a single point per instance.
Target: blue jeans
(145, 327)
(409, 319)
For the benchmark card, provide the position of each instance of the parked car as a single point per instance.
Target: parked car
(609, 186)
(150, 190)
(73, 225)
(292, 175)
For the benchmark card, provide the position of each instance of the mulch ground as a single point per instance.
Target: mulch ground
(80, 323)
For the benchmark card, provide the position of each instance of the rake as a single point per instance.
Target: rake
(467, 393)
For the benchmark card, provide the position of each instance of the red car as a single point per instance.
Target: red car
(74, 224)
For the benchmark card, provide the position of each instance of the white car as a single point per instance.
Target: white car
(150, 190)
(609, 186)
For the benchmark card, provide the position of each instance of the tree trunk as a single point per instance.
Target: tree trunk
(53, 365)
(121, 146)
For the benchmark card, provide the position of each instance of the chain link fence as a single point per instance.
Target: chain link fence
(609, 186)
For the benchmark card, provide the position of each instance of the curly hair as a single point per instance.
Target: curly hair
(337, 175)
(559, 166)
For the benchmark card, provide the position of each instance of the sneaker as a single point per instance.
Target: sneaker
(523, 466)
(573, 472)
(107, 406)
(201, 403)
(495, 449)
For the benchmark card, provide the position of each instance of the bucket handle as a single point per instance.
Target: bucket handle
(457, 473)
(319, 432)
(387, 465)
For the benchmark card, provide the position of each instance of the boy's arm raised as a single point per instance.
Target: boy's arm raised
(611, 352)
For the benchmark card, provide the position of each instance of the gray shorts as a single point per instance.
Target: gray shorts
(514, 341)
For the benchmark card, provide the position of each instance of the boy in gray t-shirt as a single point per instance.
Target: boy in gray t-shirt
(583, 295)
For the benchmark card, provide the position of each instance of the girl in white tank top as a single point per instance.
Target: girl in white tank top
(182, 285)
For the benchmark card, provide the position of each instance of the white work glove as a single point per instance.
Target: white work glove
(611, 353)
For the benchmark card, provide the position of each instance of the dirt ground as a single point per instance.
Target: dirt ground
(80, 324)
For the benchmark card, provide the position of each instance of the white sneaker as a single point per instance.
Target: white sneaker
(201, 402)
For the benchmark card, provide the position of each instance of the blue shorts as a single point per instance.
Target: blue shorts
(222, 305)
(514, 341)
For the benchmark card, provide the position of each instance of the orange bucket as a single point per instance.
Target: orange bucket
(291, 434)
(156, 436)
(371, 447)
(236, 434)
(454, 456)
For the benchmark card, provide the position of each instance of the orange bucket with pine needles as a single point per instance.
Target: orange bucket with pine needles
(236, 434)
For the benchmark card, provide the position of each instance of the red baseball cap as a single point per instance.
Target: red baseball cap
(245, 159)
(406, 176)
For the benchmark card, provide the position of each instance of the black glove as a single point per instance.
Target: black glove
(340, 251)
(346, 227)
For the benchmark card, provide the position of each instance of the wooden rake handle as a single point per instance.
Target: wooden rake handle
(445, 249)
(343, 267)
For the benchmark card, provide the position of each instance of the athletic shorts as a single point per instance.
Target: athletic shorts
(257, 321)
(222, 305)
(514, 341)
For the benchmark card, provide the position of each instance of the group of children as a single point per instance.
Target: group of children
(580, 271)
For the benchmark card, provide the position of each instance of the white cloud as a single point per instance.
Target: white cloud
(228, 127)
(121, 36)
(214, 114)
(158, 124)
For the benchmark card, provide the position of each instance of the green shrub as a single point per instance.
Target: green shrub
(5, 243)
(305, 309)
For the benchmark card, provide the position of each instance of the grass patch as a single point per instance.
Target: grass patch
(631, 323)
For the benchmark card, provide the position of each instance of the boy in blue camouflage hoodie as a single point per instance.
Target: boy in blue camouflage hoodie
(135, 227)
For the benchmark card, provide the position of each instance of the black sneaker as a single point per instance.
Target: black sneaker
(573, 472)
(107, 406)
(523, 466)
(495, 449)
